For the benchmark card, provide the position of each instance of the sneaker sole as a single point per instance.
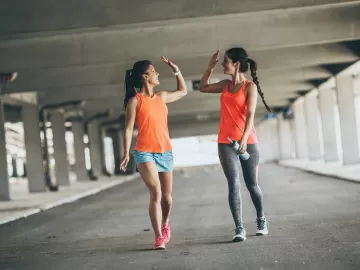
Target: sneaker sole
(238, 239)
(159, 248)
(260, 234)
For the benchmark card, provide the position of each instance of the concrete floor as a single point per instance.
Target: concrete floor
(314, 224)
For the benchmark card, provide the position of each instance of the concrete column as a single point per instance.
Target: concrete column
(268, 140)
(300, 129)
(79, 151)
(131, 168)
(262, 140)
(345, 85)
(60, 154)
(357, 104)
(273, 134)
(285, 137)
(4, 177)
(116, 140)
(95, 149)
(327, 111)
(312, 123)
(102, 150)
(13, 163)
(34, 159)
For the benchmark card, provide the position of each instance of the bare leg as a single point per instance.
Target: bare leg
(166, 179)
(149, 174)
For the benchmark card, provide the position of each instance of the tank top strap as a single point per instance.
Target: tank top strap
(139, 99)
(245, 85)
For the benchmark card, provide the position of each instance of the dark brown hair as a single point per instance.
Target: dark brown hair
(241, 56)
(134, 80)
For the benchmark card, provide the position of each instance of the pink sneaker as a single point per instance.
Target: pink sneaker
(159, 243)
(166, 232)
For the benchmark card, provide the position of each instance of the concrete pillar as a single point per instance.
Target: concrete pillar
(345, 86)
(357, 104)
(273, 135)
(327, 110)
(79, 151)
(60, 154)
(4, 177)
(95, 149)
(312, 123)
(300, 129)
(102, 150)
(285, 138)
(13, 163)
(34, 160)
(268, 140)
(131, 168)
(116, 140)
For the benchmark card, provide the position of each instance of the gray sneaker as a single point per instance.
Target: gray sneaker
(240, 234)
(262, 228)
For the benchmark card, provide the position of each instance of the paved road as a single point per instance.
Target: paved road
(314, 224)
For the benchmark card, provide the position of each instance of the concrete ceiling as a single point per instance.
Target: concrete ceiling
(70, 50)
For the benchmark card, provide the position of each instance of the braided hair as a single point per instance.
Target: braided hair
(241, 56)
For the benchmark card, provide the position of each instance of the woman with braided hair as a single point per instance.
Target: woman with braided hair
(237, 109)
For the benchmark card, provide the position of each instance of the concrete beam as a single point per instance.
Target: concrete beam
(114, 93)
(198, 128)
(195, 102)
(90, 92)
(39, 15)
(195, 37)
(280, 64)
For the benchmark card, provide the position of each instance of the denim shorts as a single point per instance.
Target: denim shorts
(164, 161)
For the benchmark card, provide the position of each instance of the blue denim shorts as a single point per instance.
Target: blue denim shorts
(164, 161)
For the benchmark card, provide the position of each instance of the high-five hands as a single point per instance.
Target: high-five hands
(169, 63)
(214, 60)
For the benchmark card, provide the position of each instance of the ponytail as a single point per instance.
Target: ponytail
(129, 87)
(253, 69)
(133, 79)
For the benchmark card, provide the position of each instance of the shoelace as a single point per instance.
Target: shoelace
(261, 223)
(240, 228)
(166, 229)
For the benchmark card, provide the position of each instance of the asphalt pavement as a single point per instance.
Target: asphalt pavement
(314, 223)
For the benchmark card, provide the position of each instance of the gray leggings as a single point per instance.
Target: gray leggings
(231, 166)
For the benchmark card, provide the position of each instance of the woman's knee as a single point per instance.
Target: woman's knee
(253, 188)
(166, 199)
(155, 193)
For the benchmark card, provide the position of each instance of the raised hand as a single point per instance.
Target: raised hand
(214, 60)
(169, 63)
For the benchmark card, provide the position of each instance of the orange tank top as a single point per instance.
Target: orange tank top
(233, 108)
(151, 121)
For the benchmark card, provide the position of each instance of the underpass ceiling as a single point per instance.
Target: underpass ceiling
(47, 15)
(80, 50)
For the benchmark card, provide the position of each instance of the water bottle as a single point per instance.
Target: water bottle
(236, 146)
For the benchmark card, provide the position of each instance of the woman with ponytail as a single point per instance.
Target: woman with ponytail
(237, 110)
(153, 151)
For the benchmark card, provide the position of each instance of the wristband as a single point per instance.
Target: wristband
(177, 73)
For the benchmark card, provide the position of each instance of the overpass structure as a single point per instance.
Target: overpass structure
(71, 59)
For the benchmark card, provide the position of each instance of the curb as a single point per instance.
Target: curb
(23, 214)
(321, 174)
(70, 199)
